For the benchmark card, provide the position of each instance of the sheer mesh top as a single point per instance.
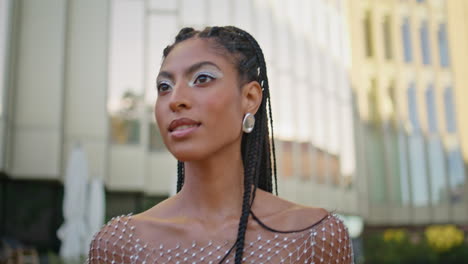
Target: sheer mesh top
(325, 242)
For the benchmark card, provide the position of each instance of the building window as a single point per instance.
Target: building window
(155, 140)
(435, 152)
(125, 92)
(375, 147)
(450, 120)
(389, 107)
(418, 170)
(287, 159)
(387, 35)
(321, 165)
(406, 36)
(306, 159)
(412, 107)
(436, 166)
(374, 102)
(456, 175)
(124, 130)
(368, 34)
(376, 165)
(425, 46)
(443, 46)
(334, 165)
(431, 109)
(403, 159)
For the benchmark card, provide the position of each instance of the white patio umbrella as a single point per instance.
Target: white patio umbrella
(95, 212)
(72, 233)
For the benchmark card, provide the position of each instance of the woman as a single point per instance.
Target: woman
(213, 110)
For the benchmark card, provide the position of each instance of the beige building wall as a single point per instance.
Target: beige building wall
(458, 31)
(457, 11)
(35, 138)
(374, 75)
(57, 94)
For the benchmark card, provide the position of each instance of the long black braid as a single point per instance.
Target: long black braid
(257, 146)
(180, 175)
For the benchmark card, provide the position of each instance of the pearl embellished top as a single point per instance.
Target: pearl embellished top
(325, 242)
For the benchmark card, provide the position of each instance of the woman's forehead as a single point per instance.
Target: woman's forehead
(192, 51)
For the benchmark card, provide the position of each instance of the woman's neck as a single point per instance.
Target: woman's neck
(214, 187)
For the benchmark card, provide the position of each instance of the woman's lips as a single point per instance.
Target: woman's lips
(183, 131)
(182, 127)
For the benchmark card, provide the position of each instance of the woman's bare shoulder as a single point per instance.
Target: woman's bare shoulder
(327, 231)
(122, 236)
(109, 244)
(161, 216)
(288, 215)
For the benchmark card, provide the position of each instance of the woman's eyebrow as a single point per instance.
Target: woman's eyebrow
(198, 65)
(165, 74)
(190, 70)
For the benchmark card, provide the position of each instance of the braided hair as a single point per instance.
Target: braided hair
(257, 147)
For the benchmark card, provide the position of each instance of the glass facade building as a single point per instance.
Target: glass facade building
(409, 142)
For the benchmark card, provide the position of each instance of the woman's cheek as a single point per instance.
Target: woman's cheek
(225, 114)
(221, 99)
(214, 104)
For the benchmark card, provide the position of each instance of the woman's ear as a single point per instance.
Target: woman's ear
(251, 97)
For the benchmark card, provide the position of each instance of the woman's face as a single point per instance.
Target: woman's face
(199, 108)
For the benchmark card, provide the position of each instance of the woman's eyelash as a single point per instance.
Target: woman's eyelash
(162, 85)
(206, 74)
(203, 74)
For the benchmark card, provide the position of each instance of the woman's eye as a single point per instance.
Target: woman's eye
(203, 78)
(163, 87)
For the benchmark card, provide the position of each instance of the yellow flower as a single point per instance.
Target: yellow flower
(395, 235)
(444, 237)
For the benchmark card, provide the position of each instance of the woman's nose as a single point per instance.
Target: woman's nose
(180, 98)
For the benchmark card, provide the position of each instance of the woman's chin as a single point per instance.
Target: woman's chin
(198, 150)
(187, 154)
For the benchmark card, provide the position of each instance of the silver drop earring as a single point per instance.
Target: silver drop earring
(248, 123)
